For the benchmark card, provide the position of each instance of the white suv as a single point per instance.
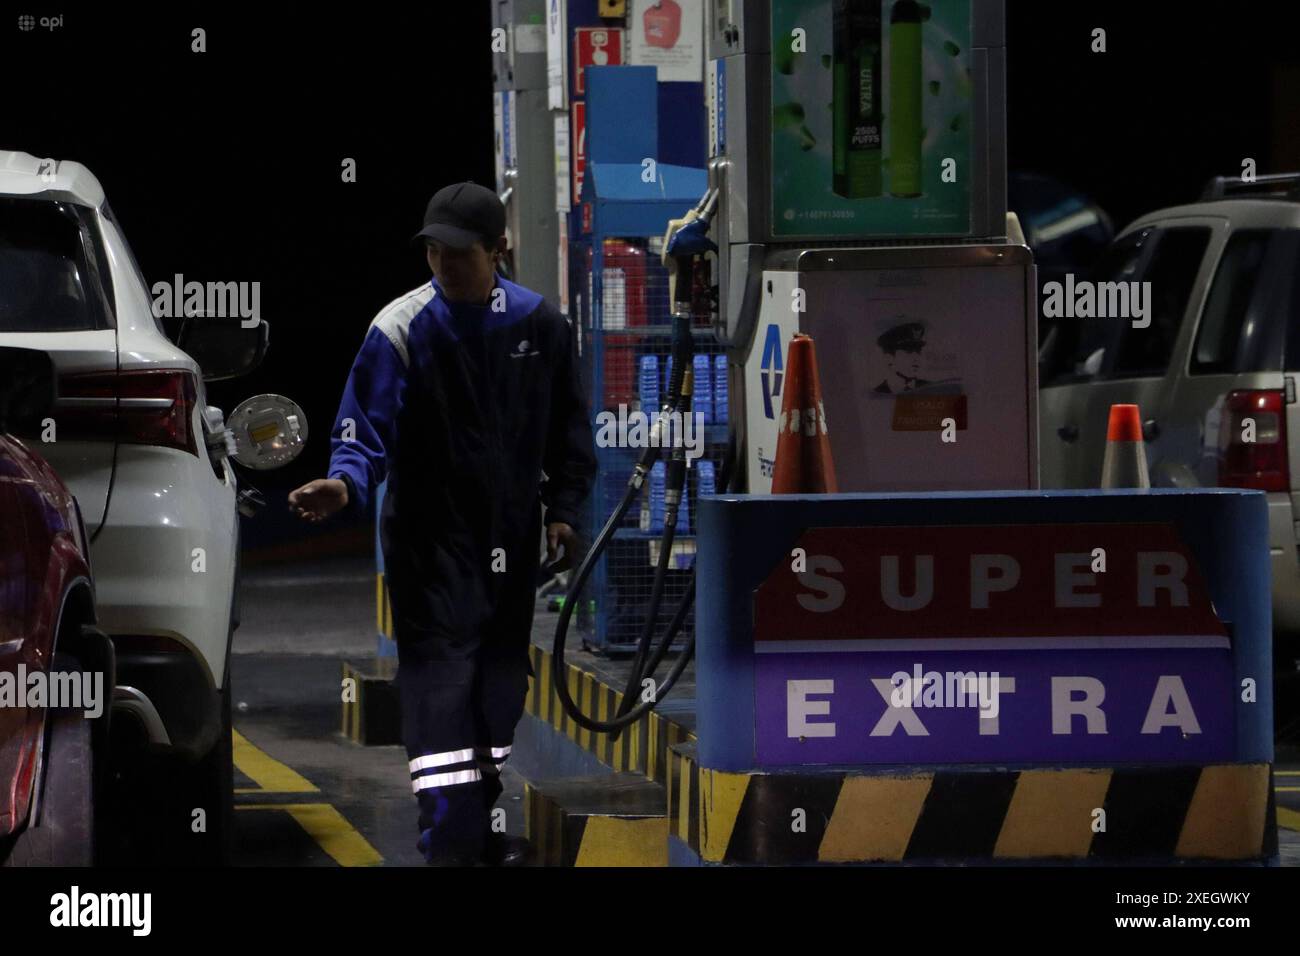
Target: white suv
(1214, 374)
(146, 458)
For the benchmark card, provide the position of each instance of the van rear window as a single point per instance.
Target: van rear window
(1146, 352)
(1074, 351)
(1222, 339)
(47, 281)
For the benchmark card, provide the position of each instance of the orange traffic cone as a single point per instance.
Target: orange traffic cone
(803, 449)
(1125, 464)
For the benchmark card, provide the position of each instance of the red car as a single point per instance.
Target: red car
(56, 668)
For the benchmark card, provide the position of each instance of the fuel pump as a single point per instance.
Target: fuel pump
(857, 195)
(685, 243)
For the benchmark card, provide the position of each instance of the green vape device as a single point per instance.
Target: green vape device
(905, 99)
(856, 99)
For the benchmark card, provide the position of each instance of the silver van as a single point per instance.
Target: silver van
(1215, 371)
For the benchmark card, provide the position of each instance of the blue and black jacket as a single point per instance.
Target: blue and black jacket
(462, 409)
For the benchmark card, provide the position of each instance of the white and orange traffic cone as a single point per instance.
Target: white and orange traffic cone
(803, 449)
(1125, 464)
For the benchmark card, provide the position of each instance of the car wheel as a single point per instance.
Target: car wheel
(209, 785)
(65, 833)
(157, 799)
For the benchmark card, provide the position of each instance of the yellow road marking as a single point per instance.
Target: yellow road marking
(330, 830)
(267, 772)
(1286, 789)
(1288, 818)
(1286, 773)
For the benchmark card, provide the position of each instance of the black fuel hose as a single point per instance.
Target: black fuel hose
(678, 404)
(680, 388)
(630, 714)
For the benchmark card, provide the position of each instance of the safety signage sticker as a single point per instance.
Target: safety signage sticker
(957, 644)
(556, 24)
(579, 152)
(511, 125)
(562, 184)
(594, 46)
(499, 158)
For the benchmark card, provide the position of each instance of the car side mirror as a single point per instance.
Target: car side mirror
(224, 348)
(28, 389)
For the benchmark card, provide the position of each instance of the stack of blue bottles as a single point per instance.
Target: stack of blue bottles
(648, 384)
(720, 389)
(658, 488)
(668, 382)
(707, 481)
(702, 396)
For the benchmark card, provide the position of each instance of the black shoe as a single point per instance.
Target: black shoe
(501, 849)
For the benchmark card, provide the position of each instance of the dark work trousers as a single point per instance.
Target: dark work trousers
(461, 700)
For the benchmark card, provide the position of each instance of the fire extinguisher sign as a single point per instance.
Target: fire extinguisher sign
(579, 151)
(594, 46)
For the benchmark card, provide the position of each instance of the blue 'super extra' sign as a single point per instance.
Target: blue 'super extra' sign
(957, 644)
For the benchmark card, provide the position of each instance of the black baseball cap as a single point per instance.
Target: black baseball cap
(462, 214)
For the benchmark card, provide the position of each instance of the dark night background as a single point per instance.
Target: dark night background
(226, 165)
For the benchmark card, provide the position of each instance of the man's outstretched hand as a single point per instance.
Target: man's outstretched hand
(560, 534)
(318, 499)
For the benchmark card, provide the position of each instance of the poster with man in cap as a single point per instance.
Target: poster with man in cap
(902, 346)
(466, 398)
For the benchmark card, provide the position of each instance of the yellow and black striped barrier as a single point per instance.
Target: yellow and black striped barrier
(371, 714)
(1221, 813)
(615, 820)
(383, 607)
(643, 748)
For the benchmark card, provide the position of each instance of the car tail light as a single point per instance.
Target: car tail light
(140, 407)
(1262, 463)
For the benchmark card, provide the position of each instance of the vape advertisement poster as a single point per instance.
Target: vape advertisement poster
(871, 117)
(910, 358)
(669, 35)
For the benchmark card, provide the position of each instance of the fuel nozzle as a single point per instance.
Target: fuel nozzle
(686, 239)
